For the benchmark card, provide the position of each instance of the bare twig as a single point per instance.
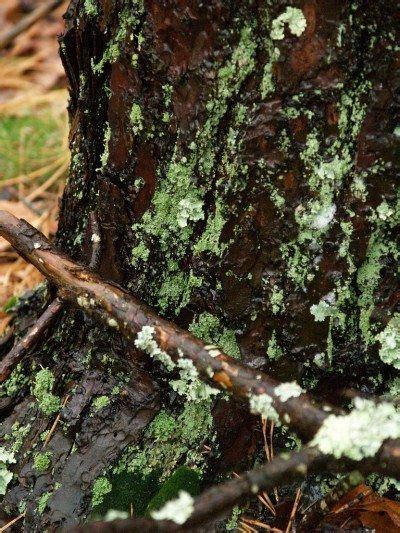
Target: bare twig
(11, 522)
(24, 24)
(34, 335)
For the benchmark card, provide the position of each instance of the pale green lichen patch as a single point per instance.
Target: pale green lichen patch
(389, 339)
(17, 437)
(294, 18)
(44, 382)
(178, 510)
(100, 402)
(262, 404)
(91, 8)
(101, 487)
(42, 461)
(6, 457)
(43, 500)
(360, 433)
(16, 381)
(285, 391)
(104, 156)
(136, 118)
(189, 210)
(189, 385)
(274, 351)
(145, 341)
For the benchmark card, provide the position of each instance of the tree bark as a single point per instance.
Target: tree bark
(243, 186)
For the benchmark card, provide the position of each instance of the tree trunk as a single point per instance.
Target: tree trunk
(234, 167)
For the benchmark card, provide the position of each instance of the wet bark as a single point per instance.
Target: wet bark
(232, 181)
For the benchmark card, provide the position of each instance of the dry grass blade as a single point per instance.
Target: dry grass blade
(11, 523)
(294, 511)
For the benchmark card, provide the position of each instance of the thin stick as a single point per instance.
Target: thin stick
(9, 524)
(294, 510)
(55, 423)
(34, 335)
(24, 24)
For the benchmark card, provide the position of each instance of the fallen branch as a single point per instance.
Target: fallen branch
(29, 20)
(29, 341)
(117, 309)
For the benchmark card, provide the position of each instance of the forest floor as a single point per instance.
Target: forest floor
(34, 155)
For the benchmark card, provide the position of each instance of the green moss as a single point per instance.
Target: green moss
(42, 461)
(100, 402)
(44, 382)
(208, 328)
(170, 440)
(210, 238)
(182, 479)
(136, 118)
(129, 490)
(101, 487)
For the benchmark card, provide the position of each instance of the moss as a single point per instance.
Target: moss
(136, 118)
(232, 523)
(182, 479)
(128, 490)
(100, 402)
(42, 461)
(44, 382)
(170, 440)
(208, 328)
(101, 487)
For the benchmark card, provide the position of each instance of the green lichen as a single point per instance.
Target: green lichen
(285, 391)
(17, 437)
(101, 487)
(105, 155)
(232, 523)
(359, 434)
(42, 503)
(44, 382)
(100, 402)
(294, 18)
(389, 340)
(91, 8)
(128, 22)
(262, 404)
(136, 118)
(177, 510)
(16, 381)
(42, 461)
(6, 458)
(177, 204)
(274, 351)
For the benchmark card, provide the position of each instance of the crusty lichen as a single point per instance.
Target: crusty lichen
(359, 434)
(294, 18)
(285, 391)
(262, 404)
(178, 510)
(389, 340)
